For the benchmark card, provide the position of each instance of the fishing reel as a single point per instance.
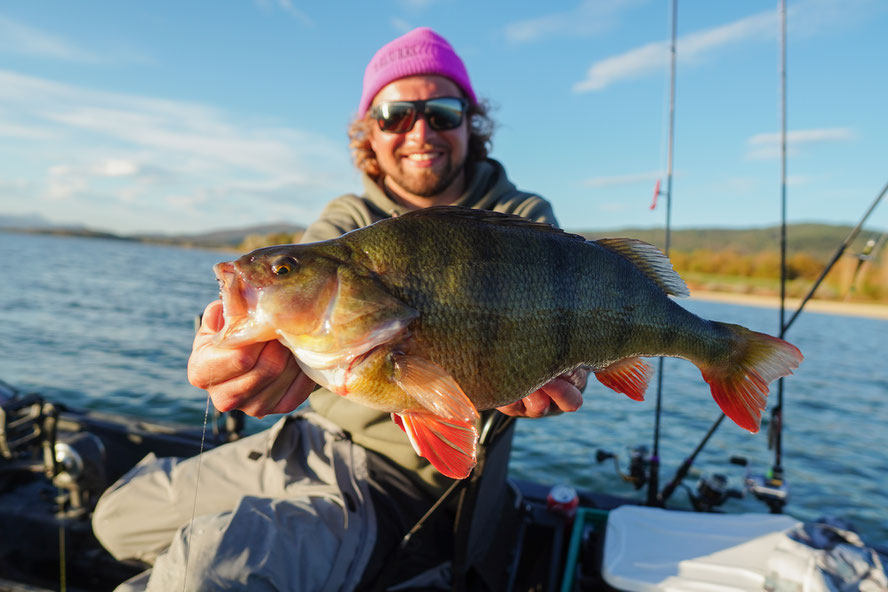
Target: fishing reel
(712, 491)
(639, 464)
(30, 444)
(770, 488)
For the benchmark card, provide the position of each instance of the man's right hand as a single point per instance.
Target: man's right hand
(258, 379)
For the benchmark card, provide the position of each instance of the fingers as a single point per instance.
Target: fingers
(578, 377)
(255, 389)
(516, 409)
(565, 396)
(281, 395)
(259, 378)
(295, 395)
(558, 396)
(534, 405)
(212, 320)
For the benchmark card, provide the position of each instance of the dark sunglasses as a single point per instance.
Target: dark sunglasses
(398, 117)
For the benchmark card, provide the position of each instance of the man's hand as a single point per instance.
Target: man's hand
(259, 379)
(561, 394)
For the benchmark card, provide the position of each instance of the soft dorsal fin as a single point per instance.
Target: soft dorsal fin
(650, 260)
(489, 217)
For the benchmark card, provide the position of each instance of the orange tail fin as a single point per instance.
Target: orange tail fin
(740, 386)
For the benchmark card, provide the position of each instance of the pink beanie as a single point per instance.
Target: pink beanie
(421, 51)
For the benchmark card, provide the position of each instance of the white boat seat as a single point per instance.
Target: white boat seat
(652, 549)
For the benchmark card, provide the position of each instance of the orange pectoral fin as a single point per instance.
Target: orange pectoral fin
(449, 444)
(433, 388)
(629, 376)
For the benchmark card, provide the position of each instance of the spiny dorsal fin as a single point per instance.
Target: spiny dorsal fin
(489, 217)
(650, 260)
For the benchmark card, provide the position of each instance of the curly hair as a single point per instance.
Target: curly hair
(481, 128)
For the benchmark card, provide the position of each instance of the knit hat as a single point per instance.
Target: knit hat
(421, 51)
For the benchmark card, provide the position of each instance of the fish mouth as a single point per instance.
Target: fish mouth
(239, 309)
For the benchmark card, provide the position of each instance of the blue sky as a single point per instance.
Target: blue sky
(189, 116)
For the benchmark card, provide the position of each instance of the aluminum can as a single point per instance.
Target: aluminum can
(563, 499)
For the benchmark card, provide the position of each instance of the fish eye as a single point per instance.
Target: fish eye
(283, 266)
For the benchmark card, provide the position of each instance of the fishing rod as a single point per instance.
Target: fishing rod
(683, 470)
(775, 479)
(772, 488)
(654, 469)
(837, 255)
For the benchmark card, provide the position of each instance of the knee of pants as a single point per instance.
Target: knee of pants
(125, 519)
(262, 544)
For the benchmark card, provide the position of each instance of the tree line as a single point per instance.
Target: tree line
(854, 276)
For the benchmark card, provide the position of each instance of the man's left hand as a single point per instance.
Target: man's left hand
(561, 394)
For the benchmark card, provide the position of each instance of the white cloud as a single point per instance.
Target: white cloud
(111, 147)
(767, 146)
(804, 18)
(21, 39)
(590, 17)
(22, 131)
(116, 167)
(653, 57)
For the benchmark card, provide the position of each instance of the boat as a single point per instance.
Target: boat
(55, 461)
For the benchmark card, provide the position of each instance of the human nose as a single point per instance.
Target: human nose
(420, 129)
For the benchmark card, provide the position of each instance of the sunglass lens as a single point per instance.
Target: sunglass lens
(397, 118)
(444, 114)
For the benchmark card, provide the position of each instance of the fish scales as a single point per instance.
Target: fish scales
(442, 312)
(506, 309)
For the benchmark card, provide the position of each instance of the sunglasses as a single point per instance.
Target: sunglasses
(398, 117)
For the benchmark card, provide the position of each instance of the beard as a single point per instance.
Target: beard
(425, 182)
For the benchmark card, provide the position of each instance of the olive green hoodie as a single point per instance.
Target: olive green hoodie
(488, 188)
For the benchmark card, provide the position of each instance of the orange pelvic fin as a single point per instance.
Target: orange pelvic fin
(741, 387)
(444, 431)
(629, 376)
(449, 444)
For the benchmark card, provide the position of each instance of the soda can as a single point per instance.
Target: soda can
(563, 499)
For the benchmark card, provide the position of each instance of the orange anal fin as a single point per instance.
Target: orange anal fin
(629, 376)
(742, 389)
(449, 444)
(433, 388)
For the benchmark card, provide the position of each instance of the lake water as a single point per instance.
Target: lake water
(108, 325)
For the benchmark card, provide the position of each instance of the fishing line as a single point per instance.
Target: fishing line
(196, 483)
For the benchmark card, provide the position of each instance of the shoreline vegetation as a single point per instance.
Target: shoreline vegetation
(740, 266)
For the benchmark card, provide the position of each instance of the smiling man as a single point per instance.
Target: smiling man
(322, 499)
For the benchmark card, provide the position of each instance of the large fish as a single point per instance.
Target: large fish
(445, 311)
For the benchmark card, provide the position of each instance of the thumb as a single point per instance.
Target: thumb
(212, 319)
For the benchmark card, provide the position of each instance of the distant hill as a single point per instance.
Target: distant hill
(232, 237)
(818, 240)
(19, 221)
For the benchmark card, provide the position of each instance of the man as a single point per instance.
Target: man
(320, 500)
